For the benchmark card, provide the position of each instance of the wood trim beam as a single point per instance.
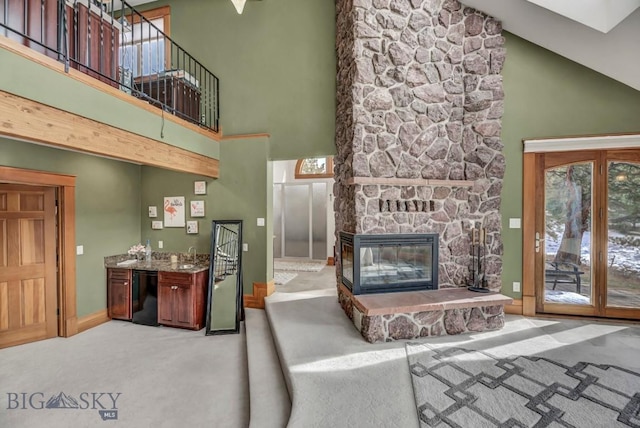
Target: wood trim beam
(45, 61)
(514, 308)
(260, 291)
(393, 181)
(93, 320)
(245, 136)
(18, 175)
(28, 120)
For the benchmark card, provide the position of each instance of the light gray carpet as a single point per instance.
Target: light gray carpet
(167, 377)
(457, 387)
(298, 265)
(270, 402)
(335, 378)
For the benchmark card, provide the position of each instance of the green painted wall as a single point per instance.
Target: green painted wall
(548, 95)
(276, 64)
(30, 80)
(277, 68)
(107, 209)
(241, 193)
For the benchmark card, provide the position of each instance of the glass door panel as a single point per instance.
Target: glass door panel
(623, 234)
(297, 225)
(568, 229)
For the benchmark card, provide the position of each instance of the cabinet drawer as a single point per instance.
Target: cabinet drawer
(119, 274)
(175, 278)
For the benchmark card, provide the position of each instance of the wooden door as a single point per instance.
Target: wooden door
(28, 291)
(587, 233)
(565, 228)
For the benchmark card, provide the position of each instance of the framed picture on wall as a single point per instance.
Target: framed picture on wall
(192, 227)
(174, 211)
(200, 187)
(197, 208)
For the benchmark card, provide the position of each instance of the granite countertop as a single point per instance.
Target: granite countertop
(159, 262)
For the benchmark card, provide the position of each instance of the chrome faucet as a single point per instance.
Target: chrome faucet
(194, 253)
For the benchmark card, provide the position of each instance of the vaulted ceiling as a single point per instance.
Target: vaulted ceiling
(615, 54)
(574, 29)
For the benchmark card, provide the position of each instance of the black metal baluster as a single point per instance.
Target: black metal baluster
(5, 18)
(101, 55)
(217, 114)
(42, 24)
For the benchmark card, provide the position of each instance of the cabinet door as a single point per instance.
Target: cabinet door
(175, 299)
(183, 306)
(119, 293)
(165, 303)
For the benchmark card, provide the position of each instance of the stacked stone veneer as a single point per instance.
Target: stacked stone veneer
(419, 96)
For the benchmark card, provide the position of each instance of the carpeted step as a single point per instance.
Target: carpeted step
(335, 378)
(269, 401)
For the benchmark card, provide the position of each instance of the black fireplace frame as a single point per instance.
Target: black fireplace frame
(357, 241)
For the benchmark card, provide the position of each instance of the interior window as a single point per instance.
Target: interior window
(320, 167)
(143, 51)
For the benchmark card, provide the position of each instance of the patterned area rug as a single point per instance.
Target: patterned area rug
(282, 278)
(456, 387)
(301, 266)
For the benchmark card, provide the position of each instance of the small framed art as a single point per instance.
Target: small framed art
(197, 208)
(200, 187)
(192, 227)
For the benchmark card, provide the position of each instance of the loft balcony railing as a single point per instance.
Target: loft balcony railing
(112, 42)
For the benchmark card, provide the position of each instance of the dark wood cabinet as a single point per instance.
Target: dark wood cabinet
(94, 49)
(175, 91)
(181, 299)
(119, 293)
(92, 37)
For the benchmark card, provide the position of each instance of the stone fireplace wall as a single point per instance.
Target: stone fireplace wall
(419, 107)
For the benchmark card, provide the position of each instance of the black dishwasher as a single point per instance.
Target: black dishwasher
(144, 297)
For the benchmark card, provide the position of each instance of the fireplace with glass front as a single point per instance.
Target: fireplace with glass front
(389, 262)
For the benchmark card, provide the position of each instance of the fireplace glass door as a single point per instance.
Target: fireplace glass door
(389, 262)
(381, 266)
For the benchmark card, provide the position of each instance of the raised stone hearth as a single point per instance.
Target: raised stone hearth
(414, 314)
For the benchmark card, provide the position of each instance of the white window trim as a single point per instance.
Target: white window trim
(602, 142)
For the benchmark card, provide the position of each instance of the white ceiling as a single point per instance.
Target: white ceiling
(615, 53)
(602, 15)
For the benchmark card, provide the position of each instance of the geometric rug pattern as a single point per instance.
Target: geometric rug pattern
(299, 266)
(457, 387)
(281, 278)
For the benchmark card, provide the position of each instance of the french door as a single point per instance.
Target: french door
(300, 220)
(587, 233)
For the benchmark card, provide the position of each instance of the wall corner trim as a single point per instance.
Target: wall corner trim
(93, 320)
(514, 308)
(260, 291)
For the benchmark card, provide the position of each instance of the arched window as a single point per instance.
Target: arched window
(321, 167)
